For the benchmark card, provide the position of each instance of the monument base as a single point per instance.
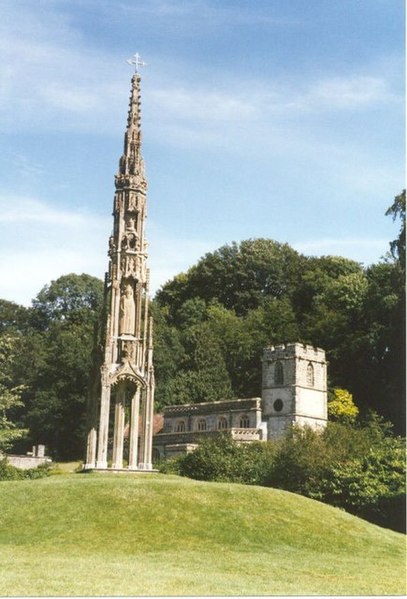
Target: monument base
(87, 468)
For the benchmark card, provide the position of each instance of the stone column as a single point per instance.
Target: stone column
(91, 449)
(115, 319)
(147, 434)
(143, 429)
(103, 427)
(134, 429)
(118, 435)
(150, 407)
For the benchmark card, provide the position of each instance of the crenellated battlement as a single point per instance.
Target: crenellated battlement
(289, 350)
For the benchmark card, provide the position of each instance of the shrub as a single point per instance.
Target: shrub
(341, 407)
(301, 459)
(171, 466)
(372, 487)
(222, 459)
(9, 472)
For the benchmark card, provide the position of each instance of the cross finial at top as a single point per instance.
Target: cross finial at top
(136, 61)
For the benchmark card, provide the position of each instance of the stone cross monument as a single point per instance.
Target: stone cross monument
(125, 393)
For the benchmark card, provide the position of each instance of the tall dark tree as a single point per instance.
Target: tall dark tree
(398, 246)
(64, 316)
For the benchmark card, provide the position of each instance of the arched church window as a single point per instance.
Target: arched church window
(180, 427)
(244, 421)
(310, 375)
(222, 423)
(202, 424)
(278, 374)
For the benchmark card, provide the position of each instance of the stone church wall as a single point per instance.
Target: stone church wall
(294, 391)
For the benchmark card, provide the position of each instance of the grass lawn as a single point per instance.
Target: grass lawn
(152, 534)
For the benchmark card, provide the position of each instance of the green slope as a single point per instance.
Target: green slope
(119, 534)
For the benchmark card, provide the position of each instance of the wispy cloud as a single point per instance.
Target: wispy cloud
(15, 209)
(347, 93)
(52, 78)
(213, 15)
(364, 248)
(45, 242)
(27, 167)
(202, 104)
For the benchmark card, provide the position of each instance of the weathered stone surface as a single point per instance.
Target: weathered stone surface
(294, 387)
(127, 373)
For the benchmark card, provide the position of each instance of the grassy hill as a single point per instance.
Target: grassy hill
(115, 534)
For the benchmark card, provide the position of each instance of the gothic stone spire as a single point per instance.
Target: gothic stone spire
(131, 162)
(127, 371)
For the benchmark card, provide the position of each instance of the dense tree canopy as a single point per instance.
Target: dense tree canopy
(260, 292)
(55, 339)
(10, 393)
(211, 325)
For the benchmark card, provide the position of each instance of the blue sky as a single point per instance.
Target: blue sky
(265, 118)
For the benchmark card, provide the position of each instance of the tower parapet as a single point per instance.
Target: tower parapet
(285, 350)
(127, 371)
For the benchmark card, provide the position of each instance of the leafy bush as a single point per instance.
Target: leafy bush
(222, 459)
(301, 459)
(171, 466)
(372, 487)
(341, 407)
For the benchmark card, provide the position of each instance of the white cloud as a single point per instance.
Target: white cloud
(202, 104)
(42, 242)
(46, 242)
(68, 98)
(15, 209)
(26, 167)
(210, 16)
(365, 250)
(348, 93)
(24, 272)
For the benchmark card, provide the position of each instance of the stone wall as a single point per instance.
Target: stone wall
(31, 459)
(25, 462)
(217, 415)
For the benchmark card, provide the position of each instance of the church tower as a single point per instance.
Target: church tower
(120, 418)
(294, 389)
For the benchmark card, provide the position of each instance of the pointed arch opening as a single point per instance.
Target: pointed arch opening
(310, 375)
(222, 423)
(278, 373)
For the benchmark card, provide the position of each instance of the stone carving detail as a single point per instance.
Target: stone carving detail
(130, 180)
(131, 223)
(129, 266)
(118, 204)
(129, 241)
(127, 312)
(128, 351)
(132, 202)
(135, 202)
(112, 244)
